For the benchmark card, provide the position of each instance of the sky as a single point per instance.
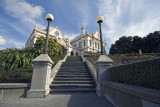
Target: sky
(121, 18)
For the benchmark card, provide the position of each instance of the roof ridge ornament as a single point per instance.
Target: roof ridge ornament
(87, 31)
(35, 26)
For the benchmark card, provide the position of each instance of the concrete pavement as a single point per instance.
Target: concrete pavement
(80, 99)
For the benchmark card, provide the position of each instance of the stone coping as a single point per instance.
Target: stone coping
(14, 85)
(141, 92)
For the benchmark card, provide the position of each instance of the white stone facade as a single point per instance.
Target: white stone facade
(54, 34)
(83, 44)
(87, 43)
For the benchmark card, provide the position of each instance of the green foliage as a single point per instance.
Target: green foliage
(91, 55)
(54, 48)
(144, 73)
(123, 45)
(152, 42)
(148, 44)
(15, 58)
(22, 58)
(20, 75)
(16, 64)
(138, 55)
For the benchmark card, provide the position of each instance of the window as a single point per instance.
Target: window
(90, 42)
(80, 44)
(98, 45)
(84, 43)
(56, 33)
(95, 45)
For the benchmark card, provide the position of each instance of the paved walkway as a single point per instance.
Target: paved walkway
(85, 99)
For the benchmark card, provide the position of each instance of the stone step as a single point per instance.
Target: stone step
(73, 58)
(73, 64)
(71, 73)
(72, 79)
(74, 71)
(73, 61)
(74, 76)
(74, 90)
(69, 62)
(73, 82)
(71, 86)
(70, 65)
(74, 67)
(78, 69)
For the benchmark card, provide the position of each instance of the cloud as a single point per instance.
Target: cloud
(16, 43)
(84, 11)
(13, 26)
(27, 13)
(71, 35)
(2, 40)
(128, 18)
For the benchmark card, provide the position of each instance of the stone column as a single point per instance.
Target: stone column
(40, 77)
(104, 62)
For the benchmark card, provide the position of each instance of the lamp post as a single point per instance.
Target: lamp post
(42, 69)
(99, 21)
(49, 18)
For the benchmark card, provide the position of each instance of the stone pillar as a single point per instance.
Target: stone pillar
(104, 62)
(40, 77)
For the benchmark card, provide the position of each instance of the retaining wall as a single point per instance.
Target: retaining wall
(124, 95)
(13, 90)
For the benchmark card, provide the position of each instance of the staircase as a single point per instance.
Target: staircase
(73, 76)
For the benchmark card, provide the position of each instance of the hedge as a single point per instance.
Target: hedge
(21, 75)
(91, 55)
(144, 73)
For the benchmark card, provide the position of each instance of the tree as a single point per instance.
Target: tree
(152, 42)
(137, 44)
(54, 48)
(148, 44)
(123, 45)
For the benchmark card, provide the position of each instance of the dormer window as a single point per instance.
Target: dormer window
(56, 33)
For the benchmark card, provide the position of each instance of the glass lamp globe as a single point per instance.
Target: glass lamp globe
(99, 19)
(49, 17)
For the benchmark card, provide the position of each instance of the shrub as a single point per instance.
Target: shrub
(16, 58)
(91, 55)
(20, 75)
(144, 73)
